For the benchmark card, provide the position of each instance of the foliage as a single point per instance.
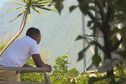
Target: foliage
(28, 5)
(1, 46)
(32, 77)
(61, 75)
(35, 5)
(120, 75)
(107, 20)
(59, 5)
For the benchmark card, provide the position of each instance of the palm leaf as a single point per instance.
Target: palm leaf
(26, 1)
(14, 9)
(35, 9)
(48, 9)
(42, 7)
(17, 16)
(15, 3)
(41, 2)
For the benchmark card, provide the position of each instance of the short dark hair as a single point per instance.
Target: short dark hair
(31, 31)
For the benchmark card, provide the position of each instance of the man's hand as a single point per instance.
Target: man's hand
(47, 67)
(39, 63)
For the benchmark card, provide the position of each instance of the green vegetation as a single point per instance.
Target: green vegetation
(107, 22)
(61, 75)
(2, 46)
(32, 77)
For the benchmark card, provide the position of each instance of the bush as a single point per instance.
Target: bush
(61, 74)
(32, 77)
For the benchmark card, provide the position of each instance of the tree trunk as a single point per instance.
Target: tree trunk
(107, 45)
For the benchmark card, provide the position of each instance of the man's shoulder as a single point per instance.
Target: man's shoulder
(29, 40)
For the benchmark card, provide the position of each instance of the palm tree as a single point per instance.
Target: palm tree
(29, 4)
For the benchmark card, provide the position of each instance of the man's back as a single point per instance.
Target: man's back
(18, 52)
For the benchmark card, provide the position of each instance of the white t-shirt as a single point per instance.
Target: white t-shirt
(18, 52)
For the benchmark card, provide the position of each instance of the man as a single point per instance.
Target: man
(17, 54)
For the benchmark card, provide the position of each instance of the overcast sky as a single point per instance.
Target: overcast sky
(2, 2)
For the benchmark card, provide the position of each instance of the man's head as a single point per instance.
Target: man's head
(34, 33)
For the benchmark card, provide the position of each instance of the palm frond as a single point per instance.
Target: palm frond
(17, 16)
(26, 1)
(35, 9)
(41, 2)
(14, 3)
(13, 9)
(36, 5)
(44, 8)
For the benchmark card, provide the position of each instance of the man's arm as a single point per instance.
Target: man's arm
(39, 63)
(27, 65)
(37, 60)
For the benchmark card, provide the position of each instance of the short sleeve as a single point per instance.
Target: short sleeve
(34, 49)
